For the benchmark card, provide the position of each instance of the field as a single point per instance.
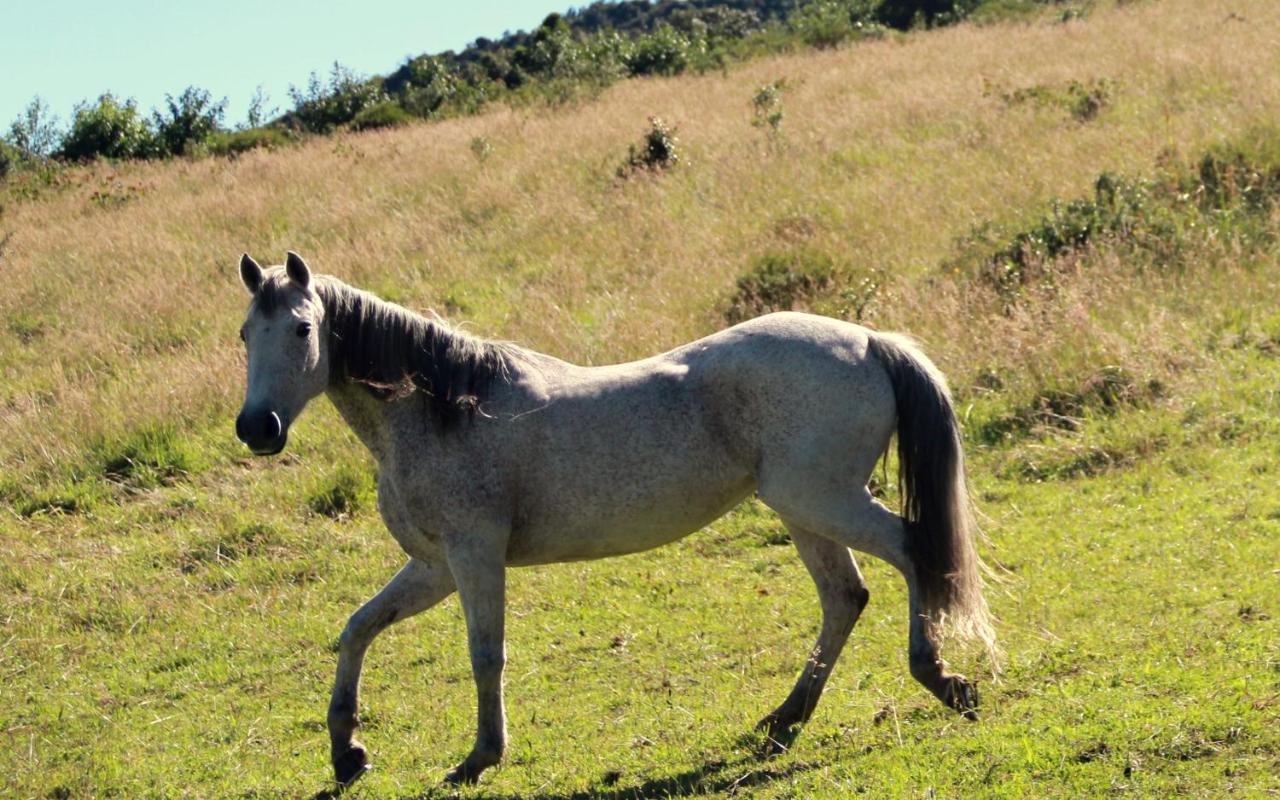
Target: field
(169, 606)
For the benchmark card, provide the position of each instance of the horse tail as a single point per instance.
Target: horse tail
(935, 498)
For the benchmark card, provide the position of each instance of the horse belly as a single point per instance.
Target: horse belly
(634, 518)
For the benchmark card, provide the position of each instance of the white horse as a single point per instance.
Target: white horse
(490, 456)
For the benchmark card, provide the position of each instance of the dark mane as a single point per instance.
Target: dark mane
(394, 352)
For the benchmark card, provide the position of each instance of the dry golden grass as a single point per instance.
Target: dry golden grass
(175, 638)
(889, 152)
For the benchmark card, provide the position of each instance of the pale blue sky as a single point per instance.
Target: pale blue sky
(72, 50)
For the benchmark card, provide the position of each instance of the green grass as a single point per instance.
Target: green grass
(169, 606)
(180, 640)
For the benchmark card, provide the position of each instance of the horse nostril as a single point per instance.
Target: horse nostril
(273, 427)
(259, 429)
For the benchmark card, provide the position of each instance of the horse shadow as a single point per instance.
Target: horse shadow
(716, 777)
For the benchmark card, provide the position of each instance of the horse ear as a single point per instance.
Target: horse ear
(250, 273)
(297, 269)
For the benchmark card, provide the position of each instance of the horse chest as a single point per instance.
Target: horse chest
(412, 520)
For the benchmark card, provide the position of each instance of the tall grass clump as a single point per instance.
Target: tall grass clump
(1084, 311)
(342, 493)
(1228, 193)
(148, 457)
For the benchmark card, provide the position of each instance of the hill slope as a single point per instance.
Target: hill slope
(169, 606)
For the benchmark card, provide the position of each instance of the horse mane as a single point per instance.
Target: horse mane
(393, 352)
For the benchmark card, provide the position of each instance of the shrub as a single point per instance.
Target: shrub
(320, 108)
(666, 51)
(658, 151)
(430, 84)
(191, 119)
(1083, 101)
(781, 282)
(548, 49)
(108, 129)
(10, 158)
(35, 132)
(1229, 192)
(386, 114)
(481, 148)
(233, 143)
(766, 108)
(905, 14)
(1245, 174)
(829, 23)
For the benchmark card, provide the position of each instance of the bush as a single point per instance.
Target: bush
(386, 114)
(192, 118)
(10, 158)
(233, 143)
(429, 84)
(108, 129)
(35, 132)
(829, 23)
(481, 148)
(321, 108)
(766, 107)
(666, 51)
(1084, 101)
(658, 151)
(905, 14)
(1245, 174)
(781, 282)
(1229, 193)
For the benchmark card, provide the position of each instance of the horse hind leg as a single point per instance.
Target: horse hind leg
(855, 520)
(842, 594)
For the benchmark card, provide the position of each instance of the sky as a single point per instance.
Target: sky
(66, 51)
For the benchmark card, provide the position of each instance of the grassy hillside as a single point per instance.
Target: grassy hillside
(169, 606)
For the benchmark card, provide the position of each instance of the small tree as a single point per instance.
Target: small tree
(191, 119)
(320, 108)
(108, 129)
(258, 113)
(34, 134)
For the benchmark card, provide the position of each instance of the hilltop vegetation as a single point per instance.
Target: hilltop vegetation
(567, 56)
(1076, 213)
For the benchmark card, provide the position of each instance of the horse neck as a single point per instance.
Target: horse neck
(368, 416)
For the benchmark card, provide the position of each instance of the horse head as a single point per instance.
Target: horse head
(288, 358)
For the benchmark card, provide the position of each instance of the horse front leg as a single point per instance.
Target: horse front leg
(479, 568)
(415, 588)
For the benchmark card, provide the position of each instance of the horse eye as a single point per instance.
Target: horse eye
(304, 329)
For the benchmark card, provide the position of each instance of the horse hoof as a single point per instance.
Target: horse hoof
(963, 697)
(351, 765)
(462, 775)
(779, 733)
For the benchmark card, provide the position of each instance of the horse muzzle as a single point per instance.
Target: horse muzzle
(262, 431)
